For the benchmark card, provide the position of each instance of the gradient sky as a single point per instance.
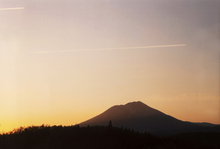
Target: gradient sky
(40, 86)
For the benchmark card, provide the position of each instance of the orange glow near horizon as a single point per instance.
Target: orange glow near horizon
(65, 120)
(72, 119)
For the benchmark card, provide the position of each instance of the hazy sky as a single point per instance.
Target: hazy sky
(46, 79)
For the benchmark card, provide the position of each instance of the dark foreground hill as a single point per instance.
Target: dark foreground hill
(102, 137)
(142, 118)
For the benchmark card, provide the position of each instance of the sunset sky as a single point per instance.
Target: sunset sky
(63, 62)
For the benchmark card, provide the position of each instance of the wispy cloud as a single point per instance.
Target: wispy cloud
(104, 49)
(14, 8)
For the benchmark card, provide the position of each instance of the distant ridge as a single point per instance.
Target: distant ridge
(142, 118)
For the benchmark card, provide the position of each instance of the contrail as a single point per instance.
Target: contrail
(15, 8)
(122, 48)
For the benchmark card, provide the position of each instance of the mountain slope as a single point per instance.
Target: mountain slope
(140, 117)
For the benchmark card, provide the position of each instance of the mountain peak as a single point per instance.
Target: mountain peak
(140, 109)
(136, 102)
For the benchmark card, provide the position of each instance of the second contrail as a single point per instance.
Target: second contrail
(122, 48)
(15, 8)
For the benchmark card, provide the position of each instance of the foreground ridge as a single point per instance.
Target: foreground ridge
(98, 137)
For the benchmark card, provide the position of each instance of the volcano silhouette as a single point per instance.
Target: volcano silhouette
(142, 118)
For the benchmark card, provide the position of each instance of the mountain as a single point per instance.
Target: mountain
(142, 118)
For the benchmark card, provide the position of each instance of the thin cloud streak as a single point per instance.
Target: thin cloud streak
(15, 8)
(105, 49)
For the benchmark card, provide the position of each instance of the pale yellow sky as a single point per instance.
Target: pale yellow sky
(65, 62)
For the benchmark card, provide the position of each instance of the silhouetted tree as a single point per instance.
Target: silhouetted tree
(110, 124)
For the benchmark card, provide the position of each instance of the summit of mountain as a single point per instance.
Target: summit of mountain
(132, 109)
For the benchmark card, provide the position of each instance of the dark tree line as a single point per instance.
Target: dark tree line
(101, 137)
